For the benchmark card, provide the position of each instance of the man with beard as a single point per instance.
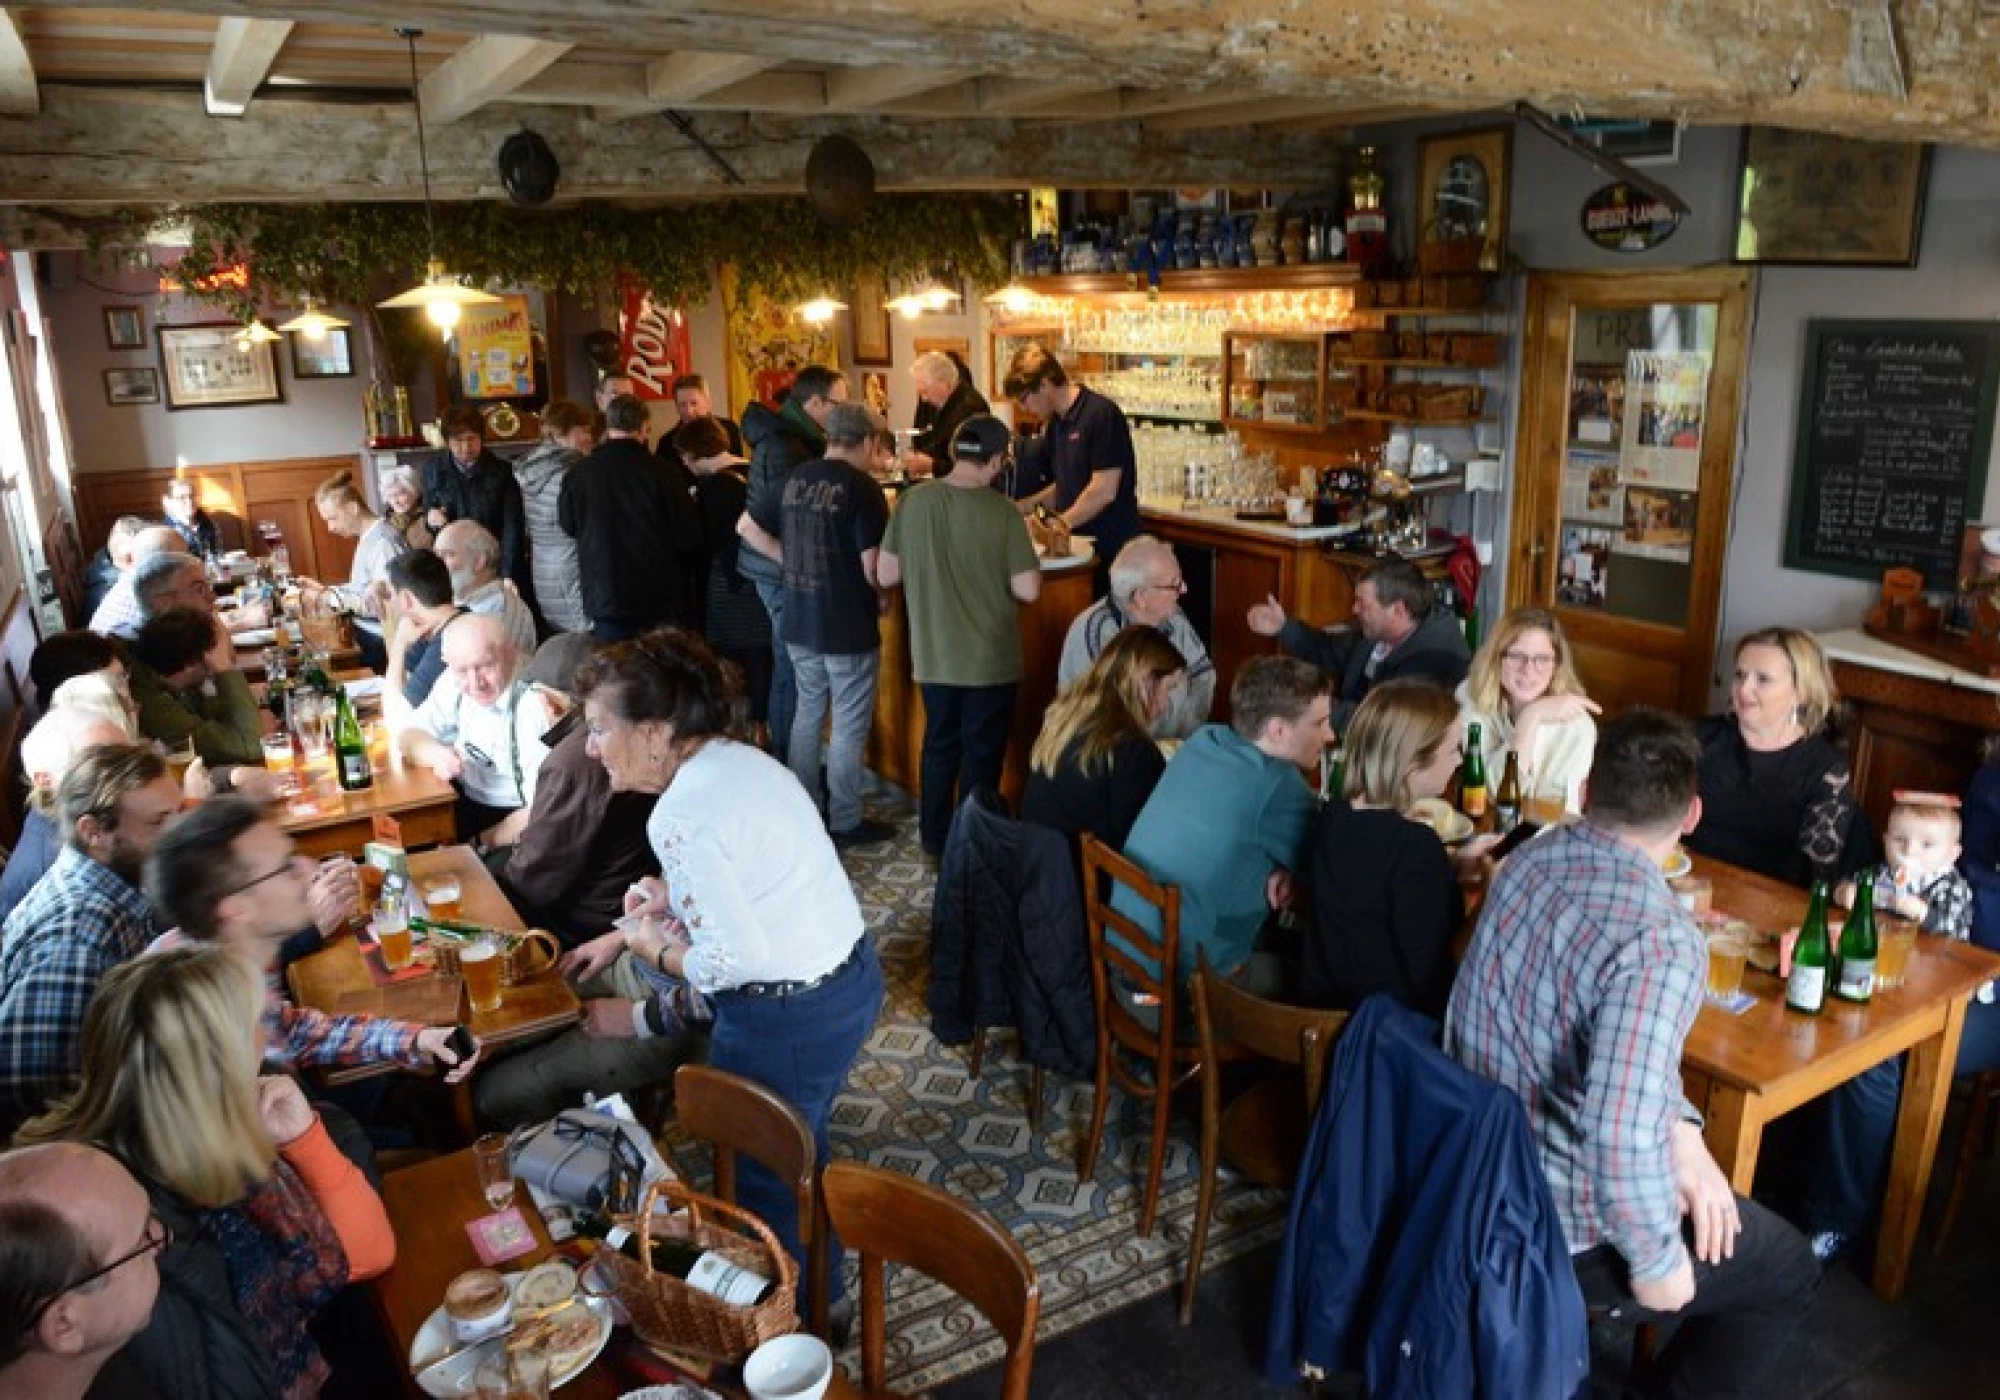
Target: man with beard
(84, 916)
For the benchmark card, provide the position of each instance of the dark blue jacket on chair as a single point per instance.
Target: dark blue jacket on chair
(1423, 1250)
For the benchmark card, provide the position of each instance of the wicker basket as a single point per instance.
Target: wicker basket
(677, 1316)
(523, 956)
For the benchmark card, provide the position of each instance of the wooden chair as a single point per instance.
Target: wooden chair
(1226, 1015)
(733, 1115)
(884, 1215)
(1170, 1061)
(1976, 1142)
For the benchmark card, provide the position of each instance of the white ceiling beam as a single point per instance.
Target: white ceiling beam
(242, 57)
(488, 68)
(858, 89)
(681, 78)
(20, 94)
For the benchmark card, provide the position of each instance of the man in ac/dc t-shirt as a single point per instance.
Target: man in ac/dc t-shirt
(824, 527)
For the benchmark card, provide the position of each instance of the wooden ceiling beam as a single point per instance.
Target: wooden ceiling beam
(1257, 113)
(858, 89)
(681, 78)
(242, 57)
(20, 94)
(1016, 97)
(488, 68)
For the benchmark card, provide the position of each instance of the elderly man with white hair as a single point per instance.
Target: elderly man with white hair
(119, 615)
(945, 399)
(481, 731)
(1146, 587)
(472, 555)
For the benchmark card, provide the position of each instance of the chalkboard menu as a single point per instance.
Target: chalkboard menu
(1889, 462)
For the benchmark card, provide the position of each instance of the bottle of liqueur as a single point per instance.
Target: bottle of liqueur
(1472, 777)
(1367, 214)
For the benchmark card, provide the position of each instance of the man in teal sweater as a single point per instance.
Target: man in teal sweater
(1230, 819)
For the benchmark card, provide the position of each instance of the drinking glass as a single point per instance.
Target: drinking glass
(479, 965)
(281, 762)
(496, 1170)
(442, 897)
(1726, 955)
(392, 935)
(1896, 941)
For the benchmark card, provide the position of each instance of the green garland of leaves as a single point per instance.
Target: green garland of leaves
(348, 253)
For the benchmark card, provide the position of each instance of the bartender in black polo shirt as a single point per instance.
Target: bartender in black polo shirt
(1087, 446)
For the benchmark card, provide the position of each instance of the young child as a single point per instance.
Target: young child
(1920, 880)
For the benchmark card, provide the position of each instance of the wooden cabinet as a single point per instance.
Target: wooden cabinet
(1914, 732)
(1275, 382)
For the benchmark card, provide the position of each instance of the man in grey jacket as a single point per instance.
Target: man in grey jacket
(1396, 635)
(1146, 589)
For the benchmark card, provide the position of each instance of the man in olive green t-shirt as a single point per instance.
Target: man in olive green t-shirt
(963, 555)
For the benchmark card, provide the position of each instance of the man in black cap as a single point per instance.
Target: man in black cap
(965, 560)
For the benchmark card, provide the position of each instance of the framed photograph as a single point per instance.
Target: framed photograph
(329, 357)
(125, 387)
(1804, 198)
(204, 366)
(1462, 189)
(871, 323)
(124, 328)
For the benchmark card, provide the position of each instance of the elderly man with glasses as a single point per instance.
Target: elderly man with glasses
(1146, 587)
(79, 1272)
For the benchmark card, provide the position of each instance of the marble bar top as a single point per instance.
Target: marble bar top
(1858, 648)
(1222, 518)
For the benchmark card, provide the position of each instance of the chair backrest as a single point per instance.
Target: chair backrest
(1101, 866)
(733, 1114)
(885, 1215)
(1225, 1014)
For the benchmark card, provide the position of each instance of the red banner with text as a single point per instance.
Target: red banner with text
(652, 341)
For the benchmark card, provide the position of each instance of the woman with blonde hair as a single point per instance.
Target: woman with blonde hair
(366, 593)
(1523, 693)
(268, 1220)
(1096, 762)
(1385, 896)
(1775, 793)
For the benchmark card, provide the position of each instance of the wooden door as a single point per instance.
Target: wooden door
(1630, 393)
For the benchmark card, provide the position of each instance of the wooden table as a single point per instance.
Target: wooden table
(527, 1012)
(429, 1205)
(417, 798)
(1743, 1071)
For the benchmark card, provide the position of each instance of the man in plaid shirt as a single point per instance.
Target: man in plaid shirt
(85, 915)
(228, 874)
(1578, 991)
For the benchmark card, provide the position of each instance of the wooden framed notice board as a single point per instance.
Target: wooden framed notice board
(1889, 459)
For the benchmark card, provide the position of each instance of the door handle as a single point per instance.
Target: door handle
(1536, 551)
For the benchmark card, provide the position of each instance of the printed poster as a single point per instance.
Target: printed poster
(496, 349)
(768, 345)
(1666, 400)
(1585, 567)
(653, 346)
(1658, 524)
(1596, 404)
(1592, 491)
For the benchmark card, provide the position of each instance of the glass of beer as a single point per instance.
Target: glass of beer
(392, 936)
(1897, 940)
(442, 897)
(1727, 953)
(479, 965)
(279, 760)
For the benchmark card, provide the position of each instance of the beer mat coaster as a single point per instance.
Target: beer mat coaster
(1736, 1003)
(429, 1001)
(498, 1238)
(379, 973)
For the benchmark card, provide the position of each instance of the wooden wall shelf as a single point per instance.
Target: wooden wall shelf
(1305, 277)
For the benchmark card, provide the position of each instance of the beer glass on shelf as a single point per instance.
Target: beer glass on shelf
(479, 965)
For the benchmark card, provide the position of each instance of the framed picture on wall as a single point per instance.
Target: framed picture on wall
(124, 328)
(871, 323)
(1463, 190)
(126, 387)
(329, 357)
(1802, 197)
(206, 366)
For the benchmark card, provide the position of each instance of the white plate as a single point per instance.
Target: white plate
(367, 688)
(254, 637)
(1677, 864)
(433, 1340)
(1080, 547)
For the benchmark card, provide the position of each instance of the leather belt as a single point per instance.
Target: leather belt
(785, 989)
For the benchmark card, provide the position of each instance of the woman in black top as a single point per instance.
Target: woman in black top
(1775, 795)
(1096, 763)
(1385, 899)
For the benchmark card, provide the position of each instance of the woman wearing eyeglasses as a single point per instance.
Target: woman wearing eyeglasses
(1523, 693)
(268, 1221)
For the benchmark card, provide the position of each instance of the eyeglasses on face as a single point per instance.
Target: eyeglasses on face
(159, 1235)
(1178, 585)
(1529, 661)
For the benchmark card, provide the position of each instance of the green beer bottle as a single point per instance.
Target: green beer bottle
(1805, 989)
(1472, 777)
(350, 749)
(1856, 981)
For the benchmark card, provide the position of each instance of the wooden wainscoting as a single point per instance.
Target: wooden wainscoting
(237, 495)
(18, 640)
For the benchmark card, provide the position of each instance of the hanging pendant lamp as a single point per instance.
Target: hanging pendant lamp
(312, 323)
(442, 296)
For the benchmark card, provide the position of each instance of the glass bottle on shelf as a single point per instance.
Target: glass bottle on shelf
(1367, 215)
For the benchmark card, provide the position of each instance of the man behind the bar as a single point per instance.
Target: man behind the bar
(946, 398)
(1088, 452)
(1578, 991)
(826, 530)
(1398, 635)
(966, 564)
(779, 442)
(691, 401)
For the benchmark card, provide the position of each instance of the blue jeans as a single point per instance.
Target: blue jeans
(800, 1047)
(965, 743)
(846, 685)
(784, 689)
(1855, 1131)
